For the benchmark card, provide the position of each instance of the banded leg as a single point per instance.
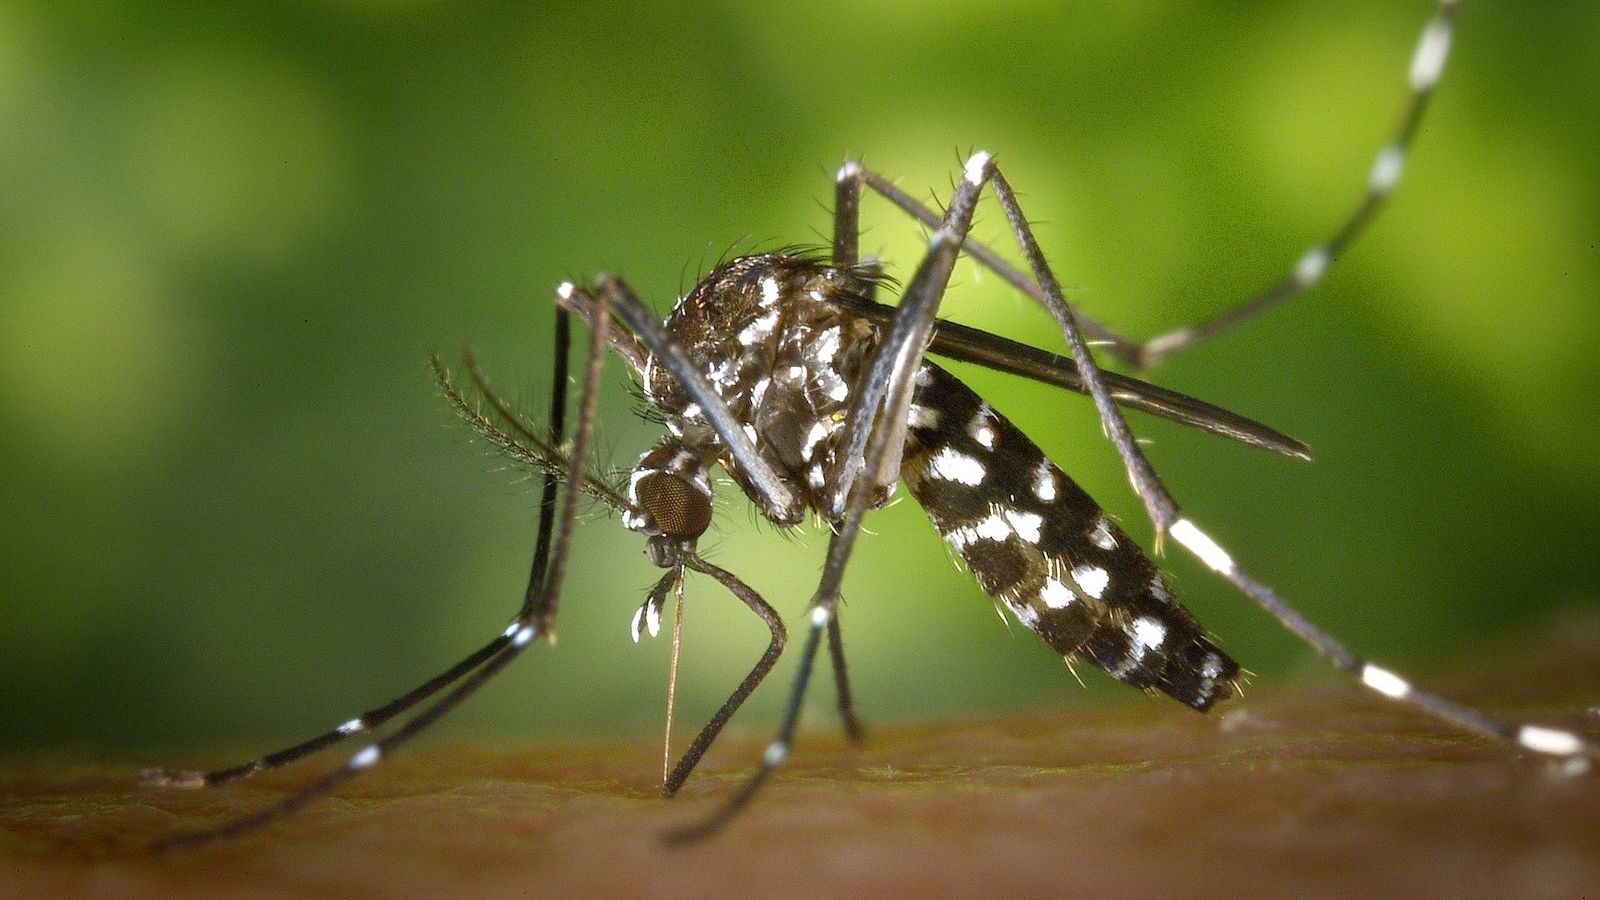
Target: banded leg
(1168, 518)
(1426, 66)
(377, 716)
(367, 721)
(536, 614)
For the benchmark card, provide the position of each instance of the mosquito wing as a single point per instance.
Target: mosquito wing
(967, 344)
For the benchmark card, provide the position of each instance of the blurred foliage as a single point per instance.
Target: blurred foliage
(235, 512)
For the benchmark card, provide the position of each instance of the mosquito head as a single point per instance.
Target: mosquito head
(679, 512)
(669, 494)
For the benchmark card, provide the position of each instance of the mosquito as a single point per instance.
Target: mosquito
(783, 370)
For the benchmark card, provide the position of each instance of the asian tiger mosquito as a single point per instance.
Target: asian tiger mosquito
(783, 369)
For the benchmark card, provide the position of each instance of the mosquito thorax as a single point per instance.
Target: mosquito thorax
(783, 356)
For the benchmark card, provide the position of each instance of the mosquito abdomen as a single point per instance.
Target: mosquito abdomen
(1035, 541)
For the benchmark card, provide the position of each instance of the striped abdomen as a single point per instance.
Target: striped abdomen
(1038, 543)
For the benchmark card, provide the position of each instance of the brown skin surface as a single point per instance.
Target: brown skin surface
(1321, 790)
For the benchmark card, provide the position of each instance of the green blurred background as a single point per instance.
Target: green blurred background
(235, 511)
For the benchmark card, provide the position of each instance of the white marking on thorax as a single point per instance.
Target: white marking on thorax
(819, 431)
(826, 345)
(837, 389)
(722, 375)
(759, 329)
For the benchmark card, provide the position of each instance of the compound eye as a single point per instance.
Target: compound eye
(679, 508)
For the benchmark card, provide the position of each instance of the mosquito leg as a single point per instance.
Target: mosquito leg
(1168, 519)
(853, 176)
(534, 619)
(847, 214)
(367, 721)
(1158, 503)
(853, 728)
(702, 741)
(846, 253)
(889, 381)
(1427, 64)
(377, 716)
(547, 490)
(775, 754)
(542, 609)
